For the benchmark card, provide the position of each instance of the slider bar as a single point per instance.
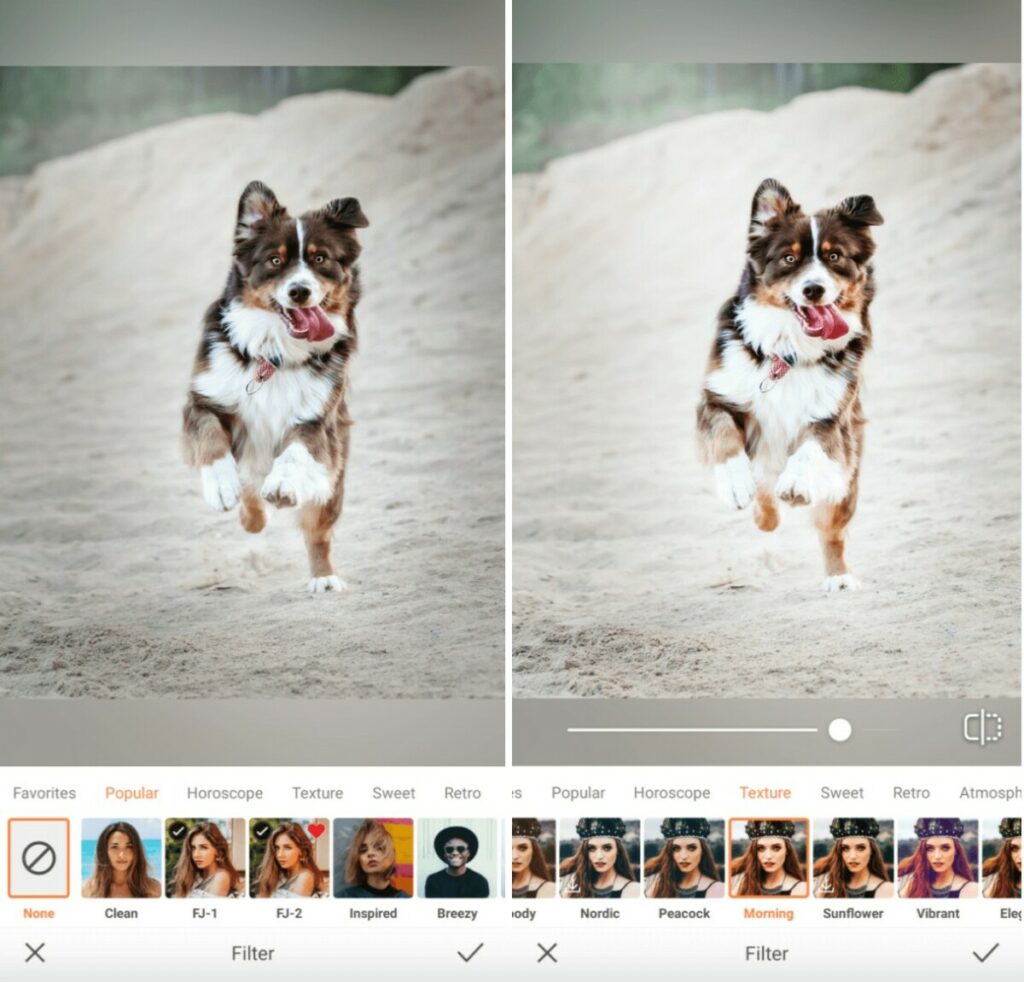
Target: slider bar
(692, 729)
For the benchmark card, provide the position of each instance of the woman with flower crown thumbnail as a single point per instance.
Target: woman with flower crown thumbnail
(1002, 872)
(939, 866)
(600, 866)
(854, 866)
(531, 876)
(771, 866)
(685, 867)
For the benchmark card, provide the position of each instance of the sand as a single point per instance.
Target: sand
(629, 577)
(116, 578)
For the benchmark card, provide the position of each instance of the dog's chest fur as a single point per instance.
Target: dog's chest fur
(294, 394)
(810, 391)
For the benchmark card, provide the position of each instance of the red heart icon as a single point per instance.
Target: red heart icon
(316, 830)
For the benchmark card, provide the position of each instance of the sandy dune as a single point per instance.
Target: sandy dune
(629, 577)
(116, 578)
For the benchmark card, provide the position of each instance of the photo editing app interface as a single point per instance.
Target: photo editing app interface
(766, 423)
(446, 424)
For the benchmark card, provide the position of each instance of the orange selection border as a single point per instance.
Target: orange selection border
(67, 860)
(807, 856)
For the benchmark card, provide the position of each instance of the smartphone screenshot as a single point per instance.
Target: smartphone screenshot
(510, 489)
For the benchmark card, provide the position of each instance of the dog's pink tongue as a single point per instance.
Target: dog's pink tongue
(825, 322)
(311, 323)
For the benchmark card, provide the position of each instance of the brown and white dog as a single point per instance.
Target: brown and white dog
(780, 415)
(265, 419)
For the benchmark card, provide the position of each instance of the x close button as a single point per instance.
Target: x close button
(546, 952)
(34, 952)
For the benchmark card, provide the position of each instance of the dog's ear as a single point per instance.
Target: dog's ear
(257, 206)
(859, 210)
(345, 212)
(771, 201)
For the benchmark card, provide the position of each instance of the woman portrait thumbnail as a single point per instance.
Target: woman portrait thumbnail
(853, 858)
(289, 858)
(684, 858)
(769, 859)
(120, 858)
(373, 858)
(468, 853)
(600, 857)
(533, 858)
(940, 860)
(1000, 850)
(205, 858)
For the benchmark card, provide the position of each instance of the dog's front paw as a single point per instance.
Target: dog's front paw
(222, 487)
(296, 479)
(326, 584)
(811, 477)
(846, 581)
(735, 481)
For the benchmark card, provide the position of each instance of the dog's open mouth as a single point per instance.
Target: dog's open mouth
(307, 323)
(822, 321)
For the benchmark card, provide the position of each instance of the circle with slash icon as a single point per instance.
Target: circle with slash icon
(38, 858)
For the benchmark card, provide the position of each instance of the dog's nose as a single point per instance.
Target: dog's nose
(814, 292)
(300, 293)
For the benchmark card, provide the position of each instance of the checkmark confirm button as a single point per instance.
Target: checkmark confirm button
(984, 958)
(38, 858)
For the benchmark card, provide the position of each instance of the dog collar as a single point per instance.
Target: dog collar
(263, 371)
(777, 369)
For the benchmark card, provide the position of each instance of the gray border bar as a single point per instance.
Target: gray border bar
(252, 32)
(765, 30)
(253, 732)
(918, 732)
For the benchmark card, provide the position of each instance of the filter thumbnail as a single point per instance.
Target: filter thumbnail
(853, 858)
(461, 856)
(289, 858)
(768, 857)
(373, 858)
(204, 858)
(121, 858)
(939, 859)
(532, 858)
(684, 858)
(600, 858)
(1000, 850)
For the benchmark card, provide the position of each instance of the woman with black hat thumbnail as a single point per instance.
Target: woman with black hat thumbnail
(600, 867)
(685, 867)
(1002, 872)
(455, 847)
(854, 866)
(771, 866)
(530, 874)
(939, 866)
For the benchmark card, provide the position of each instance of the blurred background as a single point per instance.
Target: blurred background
(50, 112)
(559, 109)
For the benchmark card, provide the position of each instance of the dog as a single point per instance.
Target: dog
(265, 421)
(780, 415)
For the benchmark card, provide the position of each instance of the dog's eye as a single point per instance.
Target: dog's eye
(790, 258)
(320, 259)
(833, 257)
(275, 260)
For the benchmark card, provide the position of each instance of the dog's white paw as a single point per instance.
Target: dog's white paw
(811, 477)
(326, 584)
(734, 481)
(846, 581)
(222, 487)
(296, 479)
